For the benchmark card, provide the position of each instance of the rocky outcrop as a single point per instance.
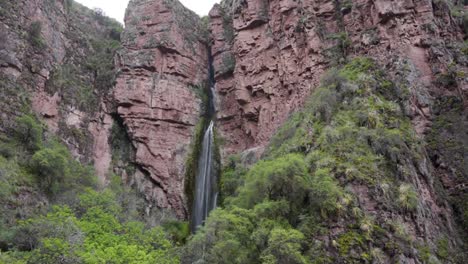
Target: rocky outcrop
(163, 65)
(269, 55)
(54, 62)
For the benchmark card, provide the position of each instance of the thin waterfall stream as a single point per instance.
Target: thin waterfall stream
(205, 184)
(206, 190)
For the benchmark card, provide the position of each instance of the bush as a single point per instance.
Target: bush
(284, 246)
(105, 200)
(177, 230)
(325, 193)
(58, 172)
(28, 132)
(281, 178)
(35, 38)
(324, 103)
(407, 197)
(62, 236)
(232, 177)
(225, 238)
(51, 165)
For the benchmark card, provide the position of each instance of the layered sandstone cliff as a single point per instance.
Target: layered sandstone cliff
(269, 55)
(56, 60)
(163, 65)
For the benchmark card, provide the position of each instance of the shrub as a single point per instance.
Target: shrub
(281, 178)
(284, 246)
(28, 131)
(232, 177)
(324, 103)
(51, 165)
(407, 197)
(105, 200)
(35, 37)
(325, 193)
(58, 172)
(225, 238)
(177, 230)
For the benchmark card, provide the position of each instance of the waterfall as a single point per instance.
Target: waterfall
(206, 181)
(206, 189)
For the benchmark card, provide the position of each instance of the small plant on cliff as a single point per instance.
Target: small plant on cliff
(229, 64)
(407, 197)
(35, 30)
(338, 53)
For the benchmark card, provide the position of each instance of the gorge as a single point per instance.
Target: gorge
(314, 131)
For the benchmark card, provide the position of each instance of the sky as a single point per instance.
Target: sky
(116, 8)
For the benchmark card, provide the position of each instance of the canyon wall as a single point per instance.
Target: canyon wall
(270, 55)
(163, 72)
(56, 61)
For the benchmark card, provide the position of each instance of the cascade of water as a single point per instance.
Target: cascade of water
(206, 194)
(205, 185)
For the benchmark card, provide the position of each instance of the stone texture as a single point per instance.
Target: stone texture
(282, 48)
(26, 72)
(163, 59)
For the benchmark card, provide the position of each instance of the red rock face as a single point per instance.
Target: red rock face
(26, 71)
(162, 60)
(269, 55)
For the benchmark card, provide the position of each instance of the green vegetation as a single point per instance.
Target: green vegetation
(84, 77)
(123, 151)
(35, 30)
(79, 224)
(28, 132)
(407, 197)
(447, 142)
(231, 178)
(192, 162)
(92, 233)
(352, 132)
(337, 54)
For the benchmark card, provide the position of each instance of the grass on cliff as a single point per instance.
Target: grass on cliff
(352, 132)
(88, 70)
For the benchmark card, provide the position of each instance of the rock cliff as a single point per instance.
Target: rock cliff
(163, 71)
(269, 55)
(135, 114)
(56, 60)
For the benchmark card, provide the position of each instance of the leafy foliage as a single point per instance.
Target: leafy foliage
(284, 246)
(82, 225)
(352, 132)
(28, 132)
(281, 178)
(92, 233)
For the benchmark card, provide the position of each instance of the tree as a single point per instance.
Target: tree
(278, 179)
(52, 166)
(28, 132)
(284, 247)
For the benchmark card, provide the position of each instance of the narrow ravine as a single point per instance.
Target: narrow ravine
(206, 190)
